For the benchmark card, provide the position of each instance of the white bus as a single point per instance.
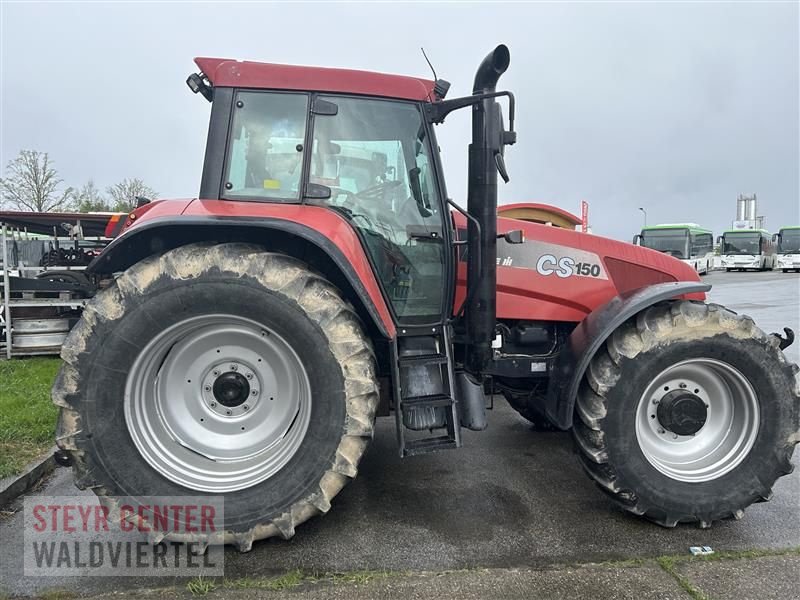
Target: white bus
(686, 241)
(745, 249)
(788, 239)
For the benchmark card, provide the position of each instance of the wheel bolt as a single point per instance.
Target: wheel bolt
(213, 404)
(674, 436)
(683, 386)
(660, 430)
(234, 367)
(254, 393)
(249, 375)
(656, 400)
(245, 407)
(207, 388)
(215, 373)
(227, 412)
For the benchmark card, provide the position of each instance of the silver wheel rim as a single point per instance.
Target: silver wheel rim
(204, 436)
(725, 438)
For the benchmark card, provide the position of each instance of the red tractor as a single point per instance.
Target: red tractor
(247, 339)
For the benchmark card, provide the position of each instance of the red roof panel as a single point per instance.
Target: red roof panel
(223, 72)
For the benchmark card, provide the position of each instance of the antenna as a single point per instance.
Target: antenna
(427, 60)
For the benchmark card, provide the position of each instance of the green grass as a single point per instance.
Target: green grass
(668, 564)
(57, 594)
(294, 578)
(283, 582)
(27, 417)
(201, 586)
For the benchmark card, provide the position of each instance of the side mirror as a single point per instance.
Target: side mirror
(719, 239)
(776, 237)
(637, 240)
(317, 191)
(516, 236)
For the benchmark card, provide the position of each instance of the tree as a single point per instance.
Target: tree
(90, 198)
(33, 183)
(123, 194)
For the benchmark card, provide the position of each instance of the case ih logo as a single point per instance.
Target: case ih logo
(77, 536)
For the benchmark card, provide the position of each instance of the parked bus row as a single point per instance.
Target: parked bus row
(739, 249)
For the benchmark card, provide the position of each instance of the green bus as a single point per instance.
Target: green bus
(745, 249)
(788, 239)
(687, 242)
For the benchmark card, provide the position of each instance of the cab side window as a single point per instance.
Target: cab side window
(265, 154)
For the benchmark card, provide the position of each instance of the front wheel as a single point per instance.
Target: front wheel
(219, 369)
(689, 414)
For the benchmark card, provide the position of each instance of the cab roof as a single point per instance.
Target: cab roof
(224, 72)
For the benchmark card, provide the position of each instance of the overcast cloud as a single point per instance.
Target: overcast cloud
(674, 107)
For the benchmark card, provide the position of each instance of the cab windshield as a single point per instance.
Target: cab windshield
(789, 242)
(741, 243)
(674, 242)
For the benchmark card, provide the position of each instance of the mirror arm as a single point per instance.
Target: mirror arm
(477, 259)
(437, 111)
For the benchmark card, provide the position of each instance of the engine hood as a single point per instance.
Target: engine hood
(563, 275)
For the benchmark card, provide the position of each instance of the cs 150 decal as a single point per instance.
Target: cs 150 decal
(550, 259)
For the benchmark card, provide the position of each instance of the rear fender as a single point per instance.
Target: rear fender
(346, 267)
(590, 335)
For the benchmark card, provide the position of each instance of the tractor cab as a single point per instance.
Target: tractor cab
(372, 158)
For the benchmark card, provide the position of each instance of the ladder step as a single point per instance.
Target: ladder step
(427, 401)
(422, 359)
(426, 445)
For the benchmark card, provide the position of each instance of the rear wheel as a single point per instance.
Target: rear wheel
(689, 414)
(192, 374)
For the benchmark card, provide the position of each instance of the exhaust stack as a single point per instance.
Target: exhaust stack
(485, 160)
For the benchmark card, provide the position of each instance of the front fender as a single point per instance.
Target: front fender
(589, 336)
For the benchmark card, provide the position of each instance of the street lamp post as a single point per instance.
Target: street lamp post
(644, 212)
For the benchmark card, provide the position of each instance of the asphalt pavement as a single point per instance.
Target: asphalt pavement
(511, 498)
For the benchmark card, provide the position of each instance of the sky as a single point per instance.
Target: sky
(673, 107)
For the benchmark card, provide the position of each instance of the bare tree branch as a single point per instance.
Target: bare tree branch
(90, 199)
(123, 194)
(32, 184)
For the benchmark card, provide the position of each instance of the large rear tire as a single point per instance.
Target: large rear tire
(688, 414)
(214, 345)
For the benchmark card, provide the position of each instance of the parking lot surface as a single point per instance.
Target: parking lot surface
(511, 497)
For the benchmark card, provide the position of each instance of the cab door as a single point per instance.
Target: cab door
(375, 157)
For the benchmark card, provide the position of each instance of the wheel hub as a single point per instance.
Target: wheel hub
(682, 412)
(231, 389)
